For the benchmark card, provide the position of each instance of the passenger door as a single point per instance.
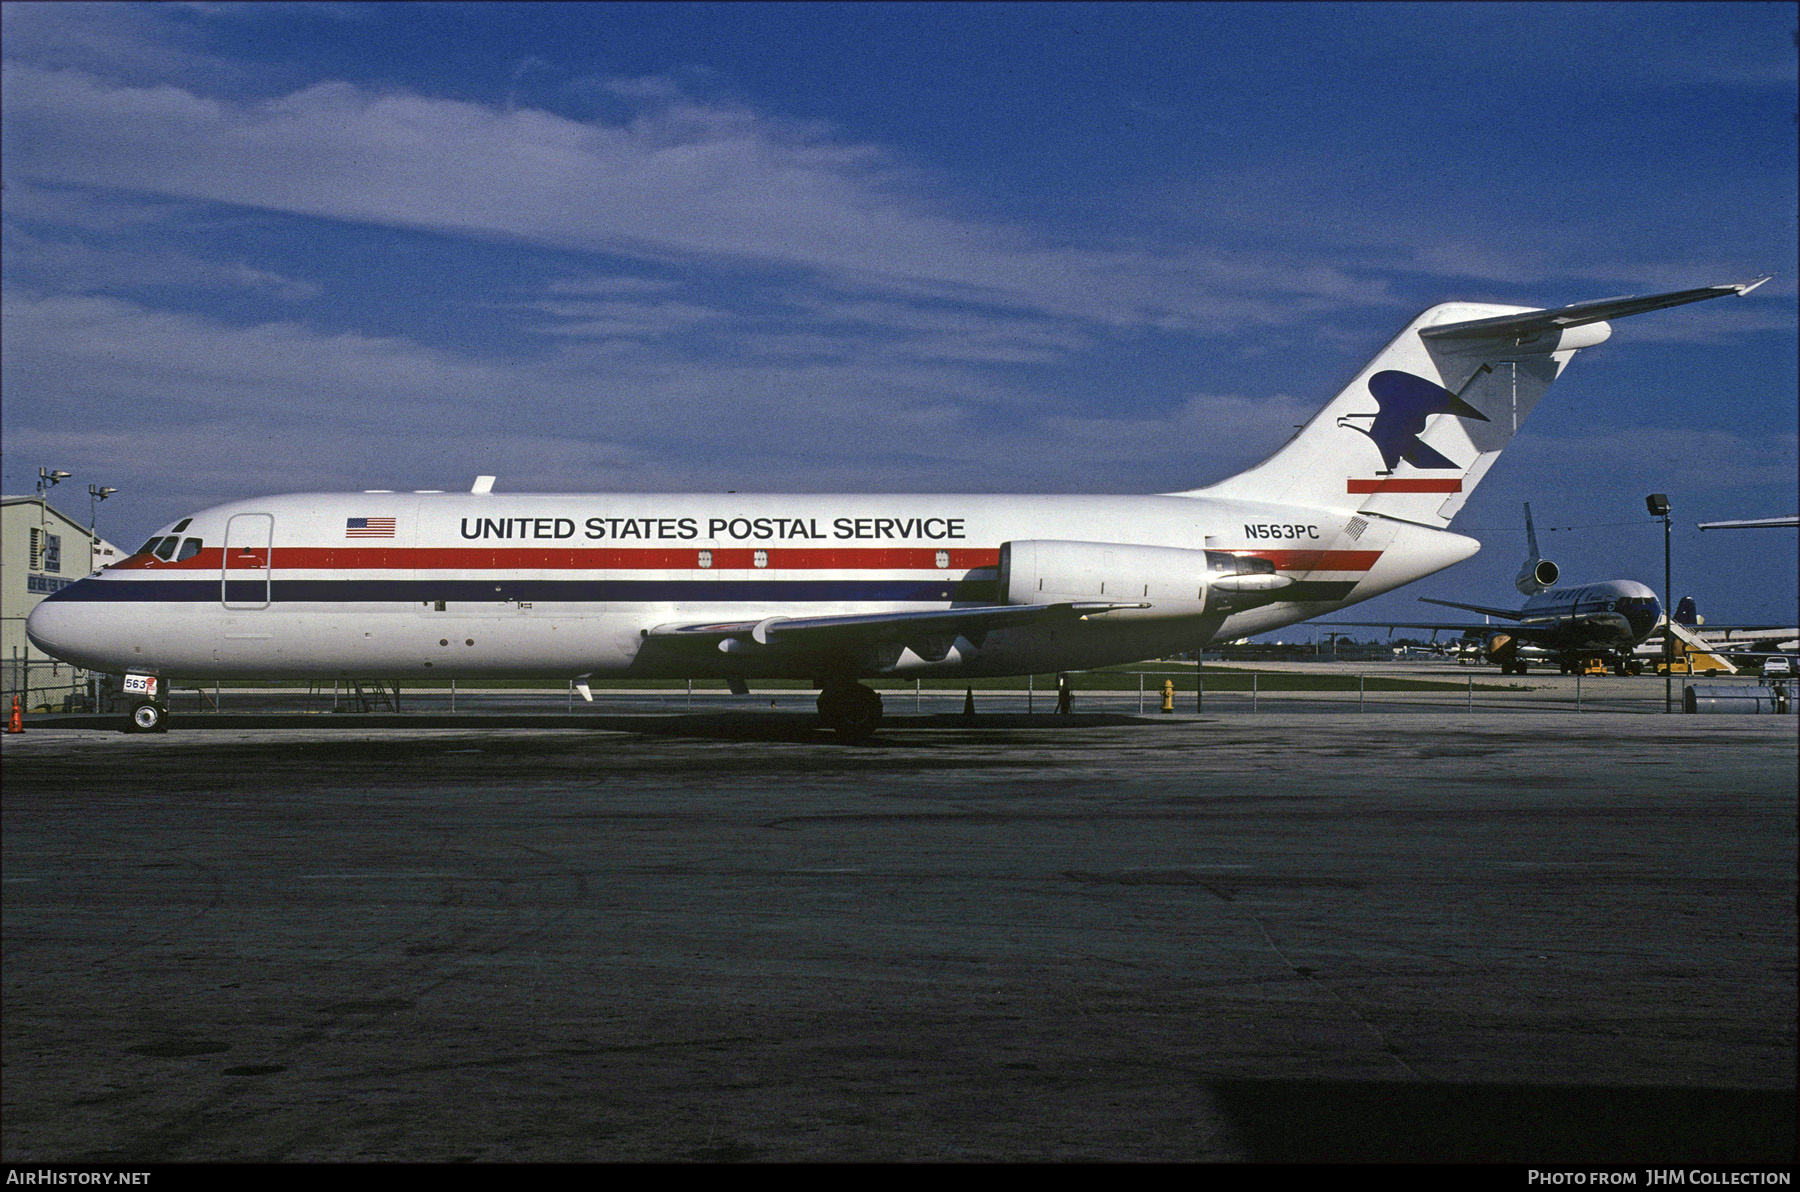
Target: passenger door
(249, 562)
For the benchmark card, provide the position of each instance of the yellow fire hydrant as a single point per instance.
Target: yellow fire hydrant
(1168, 695)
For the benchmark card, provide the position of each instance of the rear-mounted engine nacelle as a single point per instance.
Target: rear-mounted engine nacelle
(1175, 582)
(1536, 576)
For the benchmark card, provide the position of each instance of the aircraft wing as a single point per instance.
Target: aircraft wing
(1754, 523)
(1530, 634)
(858, 629)
(1511, 614)
(1759, 630)
(1718, 638)
(1536, 322)
(1435, 625)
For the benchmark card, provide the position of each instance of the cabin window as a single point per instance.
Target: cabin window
(189, 549)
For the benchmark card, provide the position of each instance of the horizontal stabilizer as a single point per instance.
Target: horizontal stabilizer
(1537, 322)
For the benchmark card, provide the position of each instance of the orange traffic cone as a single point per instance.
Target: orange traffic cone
(17, 724)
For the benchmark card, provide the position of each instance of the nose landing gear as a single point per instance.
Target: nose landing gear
(148, 717)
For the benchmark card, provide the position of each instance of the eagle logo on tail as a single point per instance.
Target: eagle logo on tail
(1405, 403)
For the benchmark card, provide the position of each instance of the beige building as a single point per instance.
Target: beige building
(42, 549)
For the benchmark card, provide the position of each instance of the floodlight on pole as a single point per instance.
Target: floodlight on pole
(96, 494)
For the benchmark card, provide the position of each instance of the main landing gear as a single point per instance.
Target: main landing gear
(850, 709)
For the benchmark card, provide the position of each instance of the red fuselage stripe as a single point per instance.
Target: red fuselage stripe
(801, 558)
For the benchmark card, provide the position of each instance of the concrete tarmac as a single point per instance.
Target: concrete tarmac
(1536, 938)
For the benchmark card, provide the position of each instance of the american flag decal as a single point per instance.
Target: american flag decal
(368, 527)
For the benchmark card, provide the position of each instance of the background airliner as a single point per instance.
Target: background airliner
(1566, 624)
(838, 588)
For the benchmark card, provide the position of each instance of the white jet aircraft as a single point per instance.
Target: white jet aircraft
(1607, 619)
(837, 588)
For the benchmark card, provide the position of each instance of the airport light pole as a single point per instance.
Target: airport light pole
(1658, 505)
(48, 478)
(96, 493)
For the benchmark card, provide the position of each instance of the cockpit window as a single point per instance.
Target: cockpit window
(166, 547)
(189, 549)
(181, 525)
(148, 546)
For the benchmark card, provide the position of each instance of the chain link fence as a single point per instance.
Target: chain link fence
(42, 686)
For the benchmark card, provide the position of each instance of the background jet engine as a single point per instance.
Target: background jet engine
(1536, 576)
(1539, 573)
(1173, 581)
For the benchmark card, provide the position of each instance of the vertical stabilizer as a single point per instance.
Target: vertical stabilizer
(1418, 428)
(1413, 434)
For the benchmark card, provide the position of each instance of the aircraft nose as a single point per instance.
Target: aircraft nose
(47, 627)
(65, 629)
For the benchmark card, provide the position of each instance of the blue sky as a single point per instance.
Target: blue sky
(258, 248)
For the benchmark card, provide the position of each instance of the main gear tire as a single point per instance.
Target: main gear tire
(852, 711)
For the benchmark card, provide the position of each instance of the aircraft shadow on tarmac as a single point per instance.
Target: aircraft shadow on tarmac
(759, 725)
(1309, 1121)
(802, 727)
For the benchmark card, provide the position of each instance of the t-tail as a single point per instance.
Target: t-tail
(1687, 614)
(1413, 434)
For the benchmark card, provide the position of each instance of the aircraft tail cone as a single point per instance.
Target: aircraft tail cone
(17, 723)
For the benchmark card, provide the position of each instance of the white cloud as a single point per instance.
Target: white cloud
(679, 180)
(73, 267)
(137, 393)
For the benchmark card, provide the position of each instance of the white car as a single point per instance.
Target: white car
(1778, 666)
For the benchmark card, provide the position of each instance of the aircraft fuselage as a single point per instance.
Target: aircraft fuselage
(1609, 616)
(466, 584)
